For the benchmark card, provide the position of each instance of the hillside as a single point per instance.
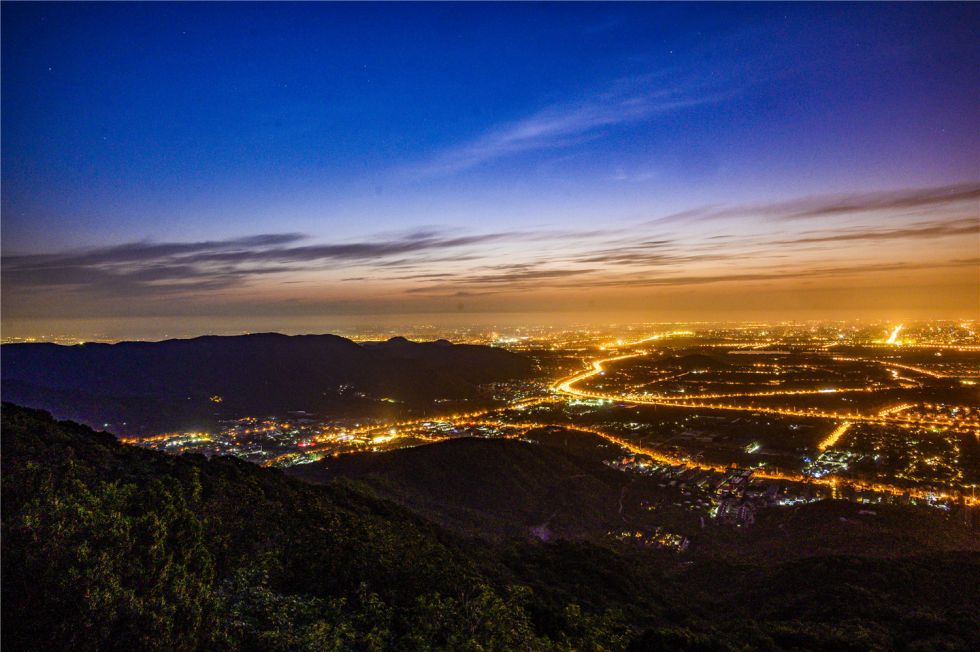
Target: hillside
(497, 488)
(837, 527)
(556, 487)
(111, 547)
(150, 386)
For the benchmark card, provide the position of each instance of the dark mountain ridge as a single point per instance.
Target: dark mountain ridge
(474, 363)
(150, 384)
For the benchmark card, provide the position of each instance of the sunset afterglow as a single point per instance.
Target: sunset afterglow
(561, 163)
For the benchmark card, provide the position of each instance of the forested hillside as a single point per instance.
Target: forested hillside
(110, 547)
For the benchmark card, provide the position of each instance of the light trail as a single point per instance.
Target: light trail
(567, 386)
(895, 409)
(834, 437)
(898, 365)
(665, 379)
(656, 455)
(892, 339)
(361, 438)
(765, 474)
(659, 336)
(963, 348)
(927, 372)
(788, 392)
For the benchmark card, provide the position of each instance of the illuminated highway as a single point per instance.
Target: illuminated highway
(665, 458)
(502, 421)
(893, 338)
(568, 386)
(834, 437)
(787, 392)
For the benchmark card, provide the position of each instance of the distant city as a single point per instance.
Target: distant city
(736, 417)
(490, 326)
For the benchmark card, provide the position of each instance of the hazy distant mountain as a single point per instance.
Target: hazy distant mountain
(475, 364)
(171, 383)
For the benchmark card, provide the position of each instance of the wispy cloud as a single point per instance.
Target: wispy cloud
(626, 101)
(143, 268)
(636, 176)
(909, 199)
(919, 231)
(580, 279)
(142, 251)
(506, 279)
(777, 275)
(435, 262)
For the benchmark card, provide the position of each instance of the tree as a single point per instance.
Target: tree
(106, 566)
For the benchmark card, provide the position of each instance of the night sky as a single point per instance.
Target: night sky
(237, 166)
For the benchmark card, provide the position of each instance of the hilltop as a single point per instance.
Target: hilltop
(473, 363)
(498, 488)
(553, 485)
(150, 386)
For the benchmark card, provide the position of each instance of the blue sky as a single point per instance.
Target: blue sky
(375, 123)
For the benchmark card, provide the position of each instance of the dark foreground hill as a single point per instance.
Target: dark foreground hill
(149, 386)
(498, 488)
(110, 547)
(556, 488)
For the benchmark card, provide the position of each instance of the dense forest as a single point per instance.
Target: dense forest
(111, 547)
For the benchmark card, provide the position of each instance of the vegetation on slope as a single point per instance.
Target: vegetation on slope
(495, 487)
(113, 547)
